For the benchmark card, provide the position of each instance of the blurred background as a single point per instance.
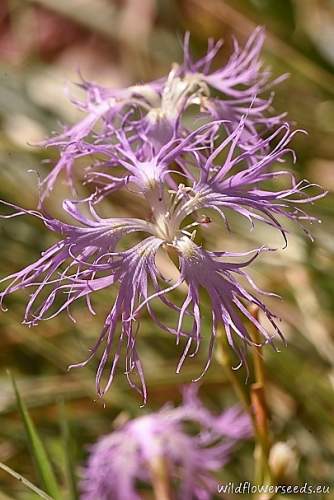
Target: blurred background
(43, 44)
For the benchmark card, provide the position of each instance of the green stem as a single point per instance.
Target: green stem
(223, 357)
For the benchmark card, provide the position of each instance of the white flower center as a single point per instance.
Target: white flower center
(190, 89)
(185, 246)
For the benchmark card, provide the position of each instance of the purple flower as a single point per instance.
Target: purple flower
(244, 67)
(86, 261)
(119, 462)
(142, 145)
(82, 263)
(147, 167)
(155, 109)
(111, 110)
(241, 181)
(229, 299)
(241, 82)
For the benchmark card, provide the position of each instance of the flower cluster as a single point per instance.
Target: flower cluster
(181, 447)
(138, 140)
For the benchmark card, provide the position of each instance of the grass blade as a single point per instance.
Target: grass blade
(69, 462)
(43, 465)
(25, 481)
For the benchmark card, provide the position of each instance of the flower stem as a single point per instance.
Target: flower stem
(260, 409)
(160, 480)
(253, 400)
(224, 359)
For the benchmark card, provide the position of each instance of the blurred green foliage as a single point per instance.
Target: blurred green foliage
(42, 44)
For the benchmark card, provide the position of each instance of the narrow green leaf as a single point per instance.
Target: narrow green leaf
(43, 465)
(69, 461)
(25, 481)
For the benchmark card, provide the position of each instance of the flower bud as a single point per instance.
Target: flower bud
(283, 460)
